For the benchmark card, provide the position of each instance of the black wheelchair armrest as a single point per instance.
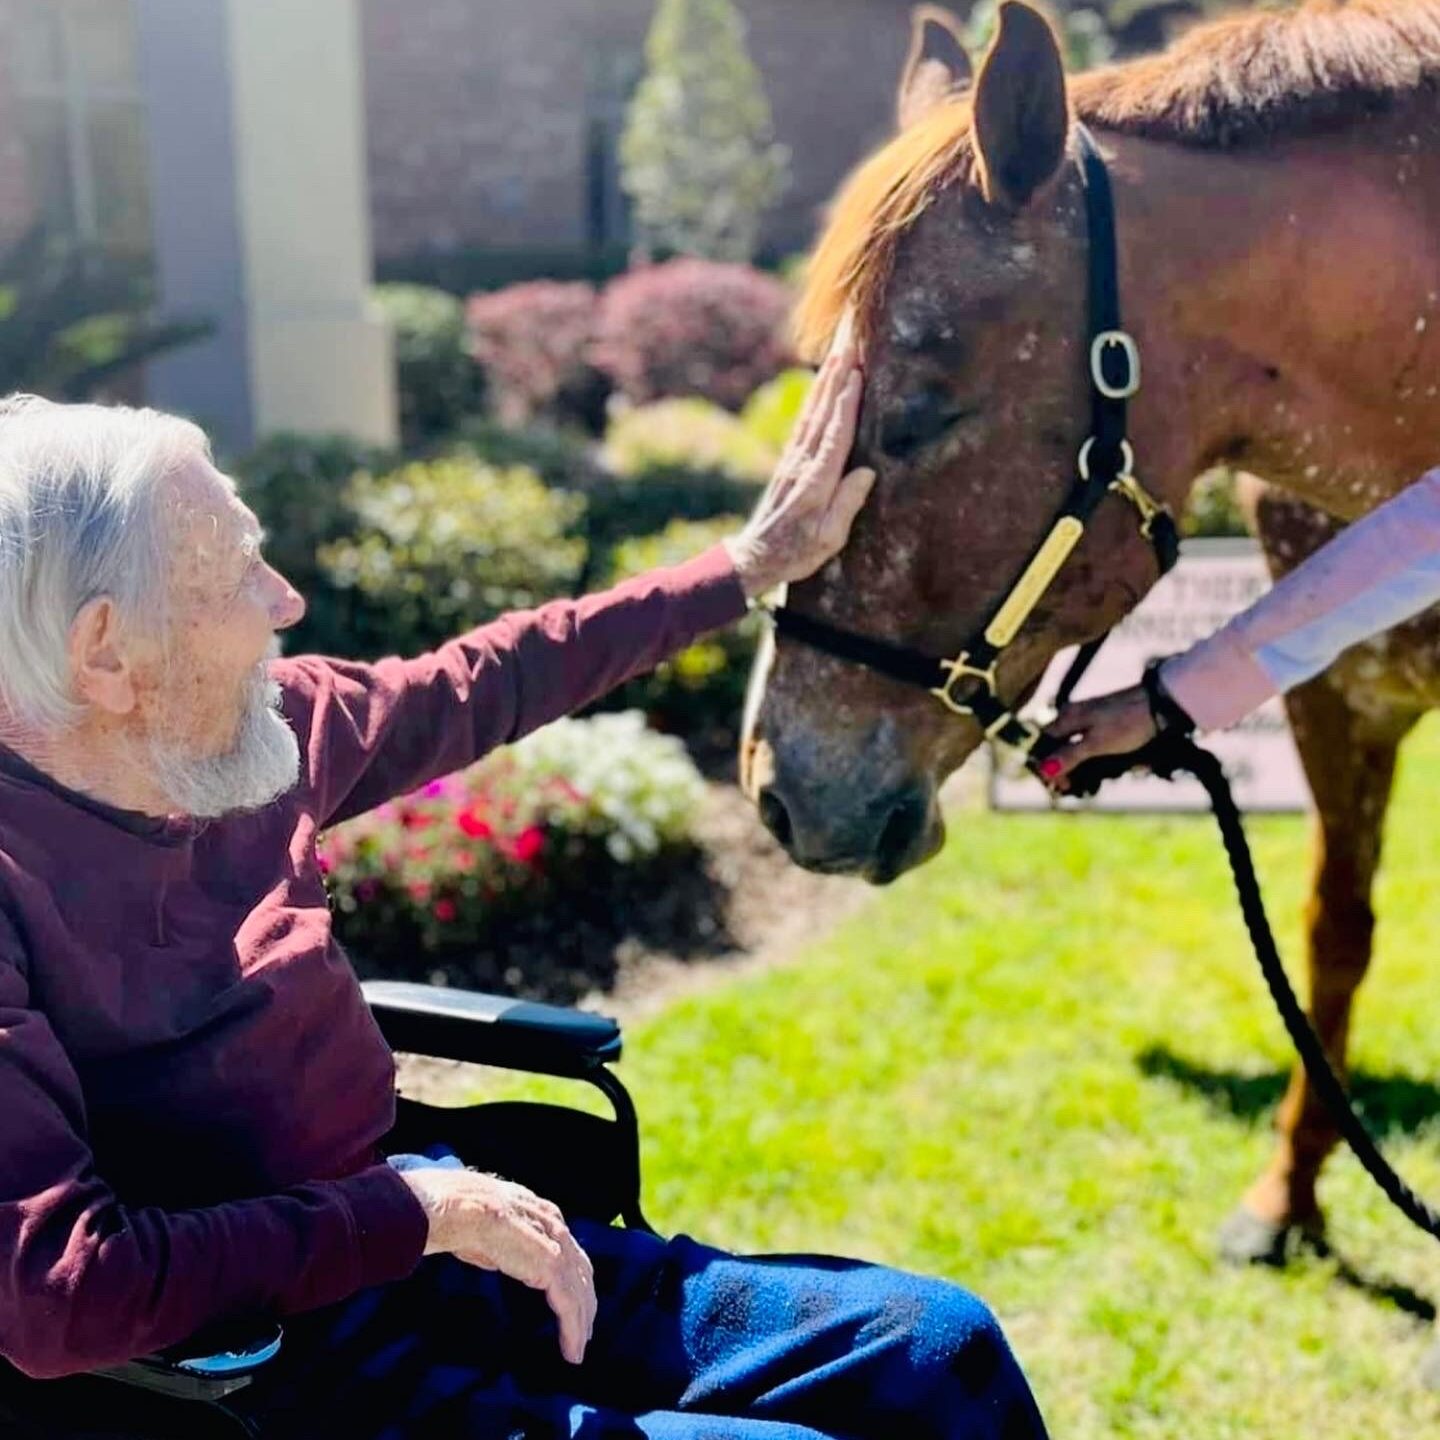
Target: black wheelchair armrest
(208, 1366)
(492, 1029)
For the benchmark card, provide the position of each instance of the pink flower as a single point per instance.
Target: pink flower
(324, 862)
(419, 889)
(528, 844)
(445, 911)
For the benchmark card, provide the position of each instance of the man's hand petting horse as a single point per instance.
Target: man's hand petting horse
(805, 515)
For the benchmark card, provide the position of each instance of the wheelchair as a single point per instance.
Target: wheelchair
(586, 1164)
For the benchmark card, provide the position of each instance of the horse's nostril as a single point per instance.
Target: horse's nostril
(775, 816)
(900, 829)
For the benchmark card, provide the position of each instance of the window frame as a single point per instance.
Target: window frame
(79, 100)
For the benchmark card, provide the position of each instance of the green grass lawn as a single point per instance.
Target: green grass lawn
(1045, 1066)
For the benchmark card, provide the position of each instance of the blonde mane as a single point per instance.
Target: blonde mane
(1235, 81)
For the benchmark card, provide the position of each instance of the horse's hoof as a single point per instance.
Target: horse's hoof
(1429, 1372)
(1248, 1239)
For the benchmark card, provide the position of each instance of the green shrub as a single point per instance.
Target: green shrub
(616, 507)
(77, 321)
(622, 508)
(792, 268)
(439, 382)
(556, 822)
(771, 413)
(1213, 509)
(699, 693)
(299, 486)
(563, 459)
(678, 542)
(443, 545)
(691, 433)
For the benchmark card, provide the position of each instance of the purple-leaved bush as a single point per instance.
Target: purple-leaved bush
(693, 327)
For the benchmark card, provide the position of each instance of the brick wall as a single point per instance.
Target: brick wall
(479, 111)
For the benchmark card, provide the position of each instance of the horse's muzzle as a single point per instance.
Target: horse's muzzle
(877, 841)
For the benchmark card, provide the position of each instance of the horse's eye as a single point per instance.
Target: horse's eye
(922, 418)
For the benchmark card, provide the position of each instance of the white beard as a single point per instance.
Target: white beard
(262, 764)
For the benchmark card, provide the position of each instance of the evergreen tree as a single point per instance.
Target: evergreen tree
(698, 154)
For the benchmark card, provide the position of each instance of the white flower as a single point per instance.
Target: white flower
(641, 790)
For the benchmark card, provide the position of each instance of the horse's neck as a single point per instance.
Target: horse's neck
(1287, 300)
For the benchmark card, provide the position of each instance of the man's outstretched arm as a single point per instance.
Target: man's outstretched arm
(371, 732)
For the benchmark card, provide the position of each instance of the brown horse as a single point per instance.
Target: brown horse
(1277, 180)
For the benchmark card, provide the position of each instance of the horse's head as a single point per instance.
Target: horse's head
(963, 249)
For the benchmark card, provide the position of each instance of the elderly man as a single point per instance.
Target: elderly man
(194, 1100)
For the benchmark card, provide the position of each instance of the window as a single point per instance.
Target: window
(611, 83)
(80, 116)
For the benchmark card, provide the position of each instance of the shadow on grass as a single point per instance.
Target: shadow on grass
(1387, 1292)
(1381, 1288)
(1389, 1104)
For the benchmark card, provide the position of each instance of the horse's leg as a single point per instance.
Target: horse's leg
(1347, 733)
(1349, 761)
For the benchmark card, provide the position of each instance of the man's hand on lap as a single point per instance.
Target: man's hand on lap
(495, 1224)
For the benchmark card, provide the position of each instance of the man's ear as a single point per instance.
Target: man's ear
(100, 669)
(937, 66)
(1022, 115)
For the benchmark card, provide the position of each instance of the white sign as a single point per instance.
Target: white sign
(1214, 580)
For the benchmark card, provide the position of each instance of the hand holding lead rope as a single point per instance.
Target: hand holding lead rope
(1092, 741)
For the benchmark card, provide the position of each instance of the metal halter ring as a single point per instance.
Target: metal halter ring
(1118, 339)
(1127, 458)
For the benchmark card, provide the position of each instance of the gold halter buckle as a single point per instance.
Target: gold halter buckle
(1149, 507)
(957, 670)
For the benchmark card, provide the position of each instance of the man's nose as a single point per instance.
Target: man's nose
(289, 610)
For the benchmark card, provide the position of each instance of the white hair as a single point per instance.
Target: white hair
(81, 516)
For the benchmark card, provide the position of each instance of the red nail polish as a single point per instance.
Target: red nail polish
(1050, 768)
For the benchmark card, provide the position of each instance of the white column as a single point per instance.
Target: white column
(319, 355)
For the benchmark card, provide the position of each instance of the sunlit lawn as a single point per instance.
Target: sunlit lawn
(1045, 1066)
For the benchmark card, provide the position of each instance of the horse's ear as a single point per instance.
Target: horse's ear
(936, 67)
(1022, 115)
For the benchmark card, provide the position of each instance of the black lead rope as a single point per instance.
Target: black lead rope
(1166, 757)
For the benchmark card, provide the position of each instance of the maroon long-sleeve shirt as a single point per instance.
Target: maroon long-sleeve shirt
(192, 1089)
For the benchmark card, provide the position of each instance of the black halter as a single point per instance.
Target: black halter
(967, 685)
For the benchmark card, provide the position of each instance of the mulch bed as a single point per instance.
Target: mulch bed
(734, 896)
